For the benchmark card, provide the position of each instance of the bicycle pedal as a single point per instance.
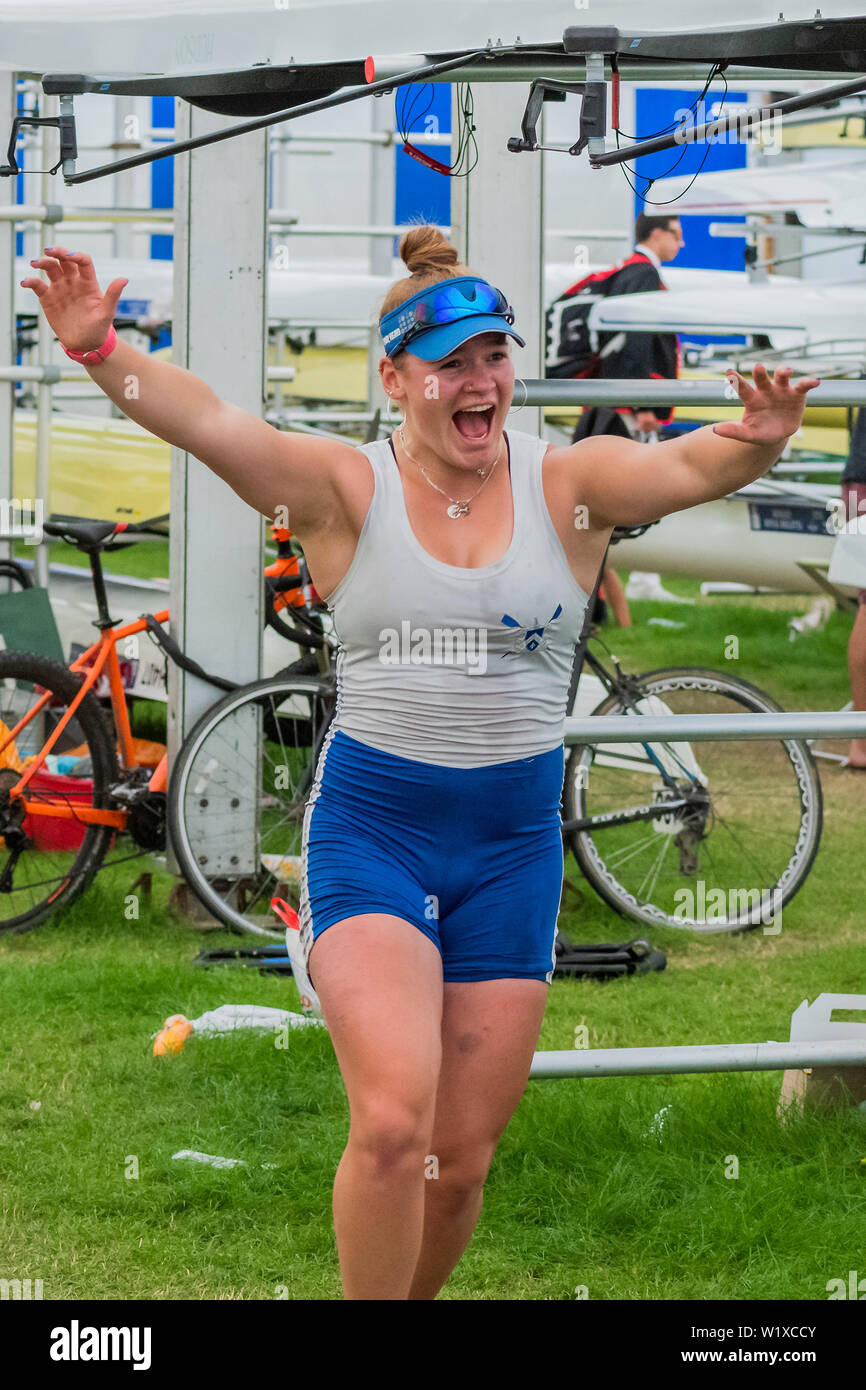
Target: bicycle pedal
(128, 793)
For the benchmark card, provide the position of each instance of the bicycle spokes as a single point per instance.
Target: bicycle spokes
(238, 796)
(702, 836)
(56, 819)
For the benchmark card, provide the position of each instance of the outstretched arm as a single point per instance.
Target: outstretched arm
(265, 467)
(624, 483)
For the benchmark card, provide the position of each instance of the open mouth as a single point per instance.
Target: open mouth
(474, 424)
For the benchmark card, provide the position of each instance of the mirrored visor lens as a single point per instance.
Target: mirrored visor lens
(449, 302)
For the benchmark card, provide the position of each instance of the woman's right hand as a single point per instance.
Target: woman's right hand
(72, 302)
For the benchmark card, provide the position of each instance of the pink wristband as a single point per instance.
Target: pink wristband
(94, 355)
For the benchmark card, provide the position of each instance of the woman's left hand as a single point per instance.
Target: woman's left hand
(773, 407)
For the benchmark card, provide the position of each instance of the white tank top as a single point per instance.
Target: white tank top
(451, 666)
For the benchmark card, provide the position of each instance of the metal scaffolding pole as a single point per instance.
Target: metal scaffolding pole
(661, 1061)
(370, 137)
(573, 69)
(712, 728)
(56, 213)
(52, 373)
(650, 393)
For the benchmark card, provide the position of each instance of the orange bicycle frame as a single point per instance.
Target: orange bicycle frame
(100, 657)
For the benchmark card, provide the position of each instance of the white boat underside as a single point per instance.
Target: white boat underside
(759, 536)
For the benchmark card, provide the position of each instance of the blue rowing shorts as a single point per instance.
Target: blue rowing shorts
(472, 857)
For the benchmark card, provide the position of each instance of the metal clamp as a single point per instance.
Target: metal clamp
(65, 123)
(593, 112)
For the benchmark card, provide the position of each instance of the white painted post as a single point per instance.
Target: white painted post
(381, 210)
(48, 106)
(7, 314)
(497, 215)
(219, 334)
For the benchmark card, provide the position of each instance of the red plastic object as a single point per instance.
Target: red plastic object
(426, 159)
(58, 832)
(286, 913)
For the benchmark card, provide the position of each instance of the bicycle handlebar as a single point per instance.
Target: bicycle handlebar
(180, 658)
(282, 584)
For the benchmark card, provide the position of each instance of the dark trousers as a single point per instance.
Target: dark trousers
(600, 419)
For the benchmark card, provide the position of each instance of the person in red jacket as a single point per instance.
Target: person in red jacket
(651, 355)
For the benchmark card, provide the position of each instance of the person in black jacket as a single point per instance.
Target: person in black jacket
(628, 355)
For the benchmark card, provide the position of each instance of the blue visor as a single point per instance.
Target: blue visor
(436, 320)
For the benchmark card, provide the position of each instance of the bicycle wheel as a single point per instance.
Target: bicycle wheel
(710, 837)
(237, 795)
(47, 861)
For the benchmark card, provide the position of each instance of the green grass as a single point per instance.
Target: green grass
(145, 560)
(809, 673)
(580, 1193)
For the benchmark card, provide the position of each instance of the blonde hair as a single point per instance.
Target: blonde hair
(429, 258)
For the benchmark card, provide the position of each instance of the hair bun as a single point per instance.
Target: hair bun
(424, 250)
(430, 259)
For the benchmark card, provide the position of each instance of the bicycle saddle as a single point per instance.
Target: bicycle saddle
(90, 534)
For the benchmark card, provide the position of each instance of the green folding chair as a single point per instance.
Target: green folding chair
(27, 621)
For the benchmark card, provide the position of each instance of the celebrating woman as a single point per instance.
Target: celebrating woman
(457, 559)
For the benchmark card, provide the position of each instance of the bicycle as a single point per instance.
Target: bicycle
(659, 829)
(59, 818)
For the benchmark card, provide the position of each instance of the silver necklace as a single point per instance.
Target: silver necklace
(457, 508)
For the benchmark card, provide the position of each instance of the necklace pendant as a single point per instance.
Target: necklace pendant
(458, 509)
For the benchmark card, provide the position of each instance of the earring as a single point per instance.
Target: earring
(389, 415)
(515, 409)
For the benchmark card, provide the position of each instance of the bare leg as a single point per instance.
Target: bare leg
(380, 983)
(857, 670)
(614, 592)
(489, 1032)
